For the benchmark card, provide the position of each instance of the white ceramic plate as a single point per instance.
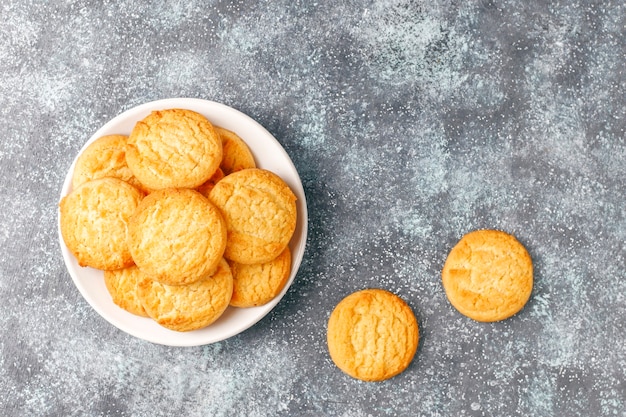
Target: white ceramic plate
(268, 153)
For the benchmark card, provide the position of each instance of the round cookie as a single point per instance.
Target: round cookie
(257, 284)
(260, 213)
(177, 236)
(237, 154)
(122, 286)
(94, 220)
(372, 335)
(188, 307)
(104, 157)
(488, 275)
(173, 148)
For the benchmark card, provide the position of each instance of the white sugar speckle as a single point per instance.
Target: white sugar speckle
(410, 123)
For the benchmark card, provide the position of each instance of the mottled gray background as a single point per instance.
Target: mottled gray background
(410, 123)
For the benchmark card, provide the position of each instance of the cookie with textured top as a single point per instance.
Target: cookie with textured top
(94, 220)
(173, 148)
(372, 335)
(260, 213)
(177, 236)
(488, 275)
(258, 284)
(122, 286)
(104, 157)
(188, 307)
(236, 153)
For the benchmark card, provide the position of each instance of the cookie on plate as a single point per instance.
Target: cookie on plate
(173, 148)
(176, 236)
(188, 307)
(488, 275)
(122, 286)
(260, 213)
(94, 220)
(257, 284)
(237, 154)
(104, 157)
(372, 335)
(206, 188)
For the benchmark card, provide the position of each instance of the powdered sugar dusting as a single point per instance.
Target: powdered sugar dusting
(410, 123)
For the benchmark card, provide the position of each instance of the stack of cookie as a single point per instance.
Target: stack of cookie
(180, 220)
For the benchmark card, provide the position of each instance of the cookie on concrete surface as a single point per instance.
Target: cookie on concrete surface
(122, 286)
(257, 284)
(173, 148)
(372, 335)
(488, 275)
(94, 220)
(237, 154)
(176, 236)
(188, 307)
(260, 213)
(104, 157)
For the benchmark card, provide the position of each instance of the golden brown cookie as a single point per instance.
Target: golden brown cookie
(372, 335)
(206, 188)
(237, 154)
(94, 221)
(260, 213)
(176, 236)
(122, 285)
(173, 148)
(104, 157)
(188, 307)
(257, 284)
(488, 275)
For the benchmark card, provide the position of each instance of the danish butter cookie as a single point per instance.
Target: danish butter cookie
(257, 284)
(173, 148)
(122, 285)
(94, 220)
(176, 236)
(372, 335)
(488, 275)
(104, 157)
(237, 154)
(188, 307)
(260, 213)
